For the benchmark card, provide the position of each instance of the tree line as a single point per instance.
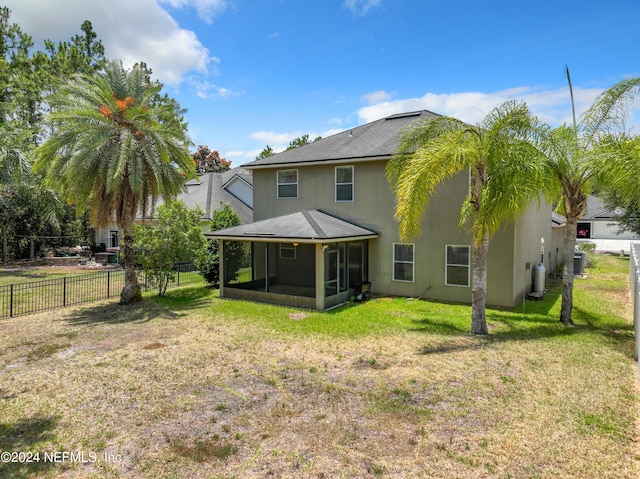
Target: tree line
(34, 216)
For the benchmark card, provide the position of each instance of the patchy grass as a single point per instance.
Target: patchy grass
(25, 274)
(193, 386)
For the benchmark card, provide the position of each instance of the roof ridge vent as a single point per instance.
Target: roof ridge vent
(403, 115)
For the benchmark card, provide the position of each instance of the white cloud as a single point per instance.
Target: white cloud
(204, 89)
(242, 156)
(552, 106)
(207, 9)
(276, 140)
(332, 131)
(234, 154)
(376, 97)
(139, 30)
(361, 7)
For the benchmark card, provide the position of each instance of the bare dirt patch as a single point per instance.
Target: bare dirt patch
(194, 392)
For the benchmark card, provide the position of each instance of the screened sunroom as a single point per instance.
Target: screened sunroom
(308, 259)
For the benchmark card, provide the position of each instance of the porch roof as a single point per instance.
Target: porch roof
(307, 226)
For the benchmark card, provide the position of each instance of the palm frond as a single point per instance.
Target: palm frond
(609, 111)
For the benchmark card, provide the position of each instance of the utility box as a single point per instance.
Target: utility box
(539, 277)
(579, 263)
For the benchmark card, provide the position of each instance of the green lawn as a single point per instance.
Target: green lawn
(33, 290)
(194, 386)
(23, 275)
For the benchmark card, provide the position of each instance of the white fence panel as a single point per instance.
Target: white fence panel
(634, 282)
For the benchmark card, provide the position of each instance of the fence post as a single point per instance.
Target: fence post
(64, 291)
(178, 276)
(11, 301)
(108, 282)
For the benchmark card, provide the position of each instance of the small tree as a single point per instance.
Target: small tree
(225, 217)
(301, 141)
(207, 160)
(178, 237)
(265, 153)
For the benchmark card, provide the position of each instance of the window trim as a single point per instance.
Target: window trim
(413, 263)
(278, 184)
(446, 265)
(336, 184)
(111, 235)
(287, 247)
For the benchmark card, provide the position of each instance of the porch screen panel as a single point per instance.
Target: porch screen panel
(237, 262)
(356, 264)
(331, 271)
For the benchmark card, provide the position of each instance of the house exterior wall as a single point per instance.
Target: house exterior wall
(373, 207)
(242, 191)
(299, 270)
(556, 251)
(532, 245)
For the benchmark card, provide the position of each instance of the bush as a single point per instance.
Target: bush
(590, 250)
(223, 218)
(178, 237)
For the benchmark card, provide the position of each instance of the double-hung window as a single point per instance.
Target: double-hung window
(287, 183)
(344, 183)
(403, 262)
(457, 265)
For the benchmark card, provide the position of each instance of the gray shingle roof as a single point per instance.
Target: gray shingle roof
(596, 209)
(373, 140)
(307, 225)
(197, 190)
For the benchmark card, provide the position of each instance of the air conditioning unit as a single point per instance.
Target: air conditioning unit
(579, 263)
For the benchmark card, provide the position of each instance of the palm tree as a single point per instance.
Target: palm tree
(116, 147)
(576, 155)
(504, 179)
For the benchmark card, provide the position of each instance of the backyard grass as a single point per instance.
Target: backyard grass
(191, 386)
(32, 289)
(22, 274)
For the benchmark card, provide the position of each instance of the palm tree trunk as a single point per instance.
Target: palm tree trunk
(570, 232)
(131, 292)
(479, 287)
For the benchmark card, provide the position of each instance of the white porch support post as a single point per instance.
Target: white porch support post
(319, 277)
(221, 266)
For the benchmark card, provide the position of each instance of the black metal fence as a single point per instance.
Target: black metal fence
(32, 297)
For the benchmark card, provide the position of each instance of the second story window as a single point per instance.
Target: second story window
(287, 183)
(344, 183)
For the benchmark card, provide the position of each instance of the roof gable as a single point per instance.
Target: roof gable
(196, 194)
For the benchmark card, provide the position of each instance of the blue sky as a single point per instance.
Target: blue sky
(258, 72)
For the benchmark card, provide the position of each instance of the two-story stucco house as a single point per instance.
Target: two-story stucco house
(324, 224)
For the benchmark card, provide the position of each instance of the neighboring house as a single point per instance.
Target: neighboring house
(602, 223)
(207, 192)
(324, 224)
